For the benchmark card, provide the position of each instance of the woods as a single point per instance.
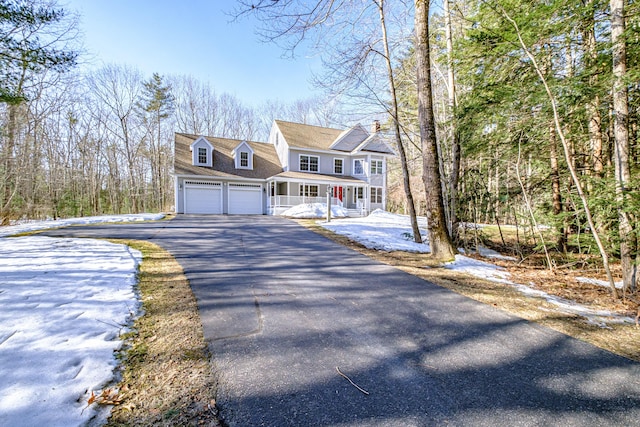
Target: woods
(535, 113)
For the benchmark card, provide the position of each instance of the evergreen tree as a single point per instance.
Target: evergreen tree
(157, 105)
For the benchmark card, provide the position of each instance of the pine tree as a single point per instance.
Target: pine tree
(157, 104)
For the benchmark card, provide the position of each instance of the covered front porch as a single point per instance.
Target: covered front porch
(290, 189)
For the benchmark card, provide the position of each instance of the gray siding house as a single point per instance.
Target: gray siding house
(299, 164)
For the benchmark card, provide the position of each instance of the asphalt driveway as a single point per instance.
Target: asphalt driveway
(283, 307)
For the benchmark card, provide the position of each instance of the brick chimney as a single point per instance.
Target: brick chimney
(375, 127)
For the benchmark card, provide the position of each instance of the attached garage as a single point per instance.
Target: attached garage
(202, 197)
(245, 199)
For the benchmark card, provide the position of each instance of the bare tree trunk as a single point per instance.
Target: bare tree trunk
(439, 239)
(9, 163)
(556, 195)
(593, 113)
(628, 241)
(417, 237)
(455, 140)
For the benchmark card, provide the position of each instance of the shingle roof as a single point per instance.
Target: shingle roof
(265, 159)
(307, 136)
(303, 136)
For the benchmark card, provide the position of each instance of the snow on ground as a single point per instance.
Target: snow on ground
(597, 282)
(477, 268)
(315, 210)
(63, 305)
(490, 253)
(391, 232)
(381, 230)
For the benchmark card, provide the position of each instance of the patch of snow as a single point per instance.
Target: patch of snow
(27, 226)
(381, 230)
(498, 274)
(64, 303)
(490, 253)
(597, 282)
(480, 269)
(315, 210)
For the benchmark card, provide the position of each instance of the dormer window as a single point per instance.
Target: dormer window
(202, 152)
(243, 156)
(202, 155)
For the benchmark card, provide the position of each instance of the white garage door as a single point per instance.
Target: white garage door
(245, 199)
(202, 197)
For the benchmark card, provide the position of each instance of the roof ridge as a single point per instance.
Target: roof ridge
(305, 124)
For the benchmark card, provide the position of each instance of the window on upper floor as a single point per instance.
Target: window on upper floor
(244, 159)
(376, 194)
(202, 155)
(309, 163)
(376, 167)
(338, 168)
(358, 167)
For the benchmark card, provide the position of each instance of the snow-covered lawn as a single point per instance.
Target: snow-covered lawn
(63, 303)
(391, 232)
(381, 230)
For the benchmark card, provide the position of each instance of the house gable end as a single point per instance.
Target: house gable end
(376, 144)
(201, 152)
(350, 139)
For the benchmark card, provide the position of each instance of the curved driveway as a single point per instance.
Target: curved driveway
(282, 307)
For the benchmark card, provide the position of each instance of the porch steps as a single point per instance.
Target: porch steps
(356, 213)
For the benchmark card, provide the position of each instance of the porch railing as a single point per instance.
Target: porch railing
(299, 200)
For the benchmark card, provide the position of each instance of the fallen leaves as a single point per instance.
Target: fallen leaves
(108, 396)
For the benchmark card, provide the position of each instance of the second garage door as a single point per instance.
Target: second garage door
(245, 199)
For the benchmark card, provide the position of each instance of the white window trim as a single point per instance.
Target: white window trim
(376, 162)
(309, 156)
(206, 156)
(308, 186)
(334, 166)
(364, 169)
(377, 189)
(249, 160)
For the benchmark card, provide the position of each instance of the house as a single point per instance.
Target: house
(299, 164)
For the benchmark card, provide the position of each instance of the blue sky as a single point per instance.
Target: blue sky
(193, 37)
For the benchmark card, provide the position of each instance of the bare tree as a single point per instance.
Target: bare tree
(439, 239)
(395, 117)
(117, 89)
(628, 239)
(455, 140)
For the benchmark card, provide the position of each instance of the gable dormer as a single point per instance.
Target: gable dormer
(202, 152)
(243, 156)
(374, 143)
(350, 139)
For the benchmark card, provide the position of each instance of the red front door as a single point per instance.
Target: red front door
(338, 193)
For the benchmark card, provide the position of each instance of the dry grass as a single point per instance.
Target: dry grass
(619, 339)
(167, 379)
